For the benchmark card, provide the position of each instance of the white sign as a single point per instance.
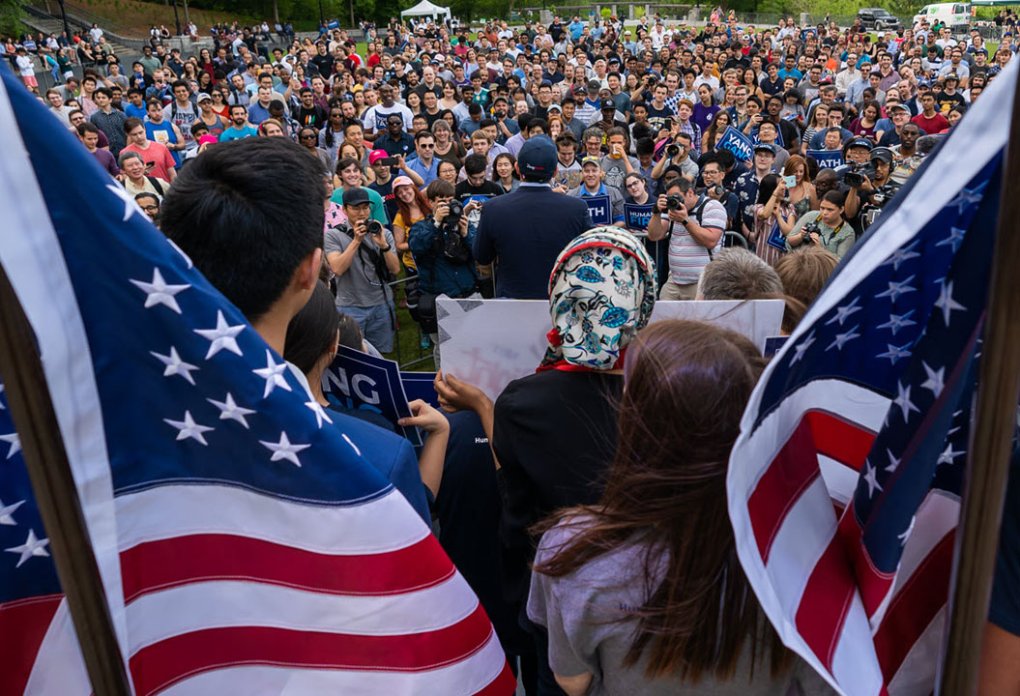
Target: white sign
(490, 343)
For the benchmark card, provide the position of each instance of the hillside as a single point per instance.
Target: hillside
(132, 18)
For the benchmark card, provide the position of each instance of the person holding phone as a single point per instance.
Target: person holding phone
(774, 218)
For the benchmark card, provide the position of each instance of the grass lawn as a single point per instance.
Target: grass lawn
(407, 347)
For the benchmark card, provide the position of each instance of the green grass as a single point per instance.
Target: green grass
(407, 347)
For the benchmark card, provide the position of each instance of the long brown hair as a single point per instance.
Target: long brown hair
(687, 384)
(419, 200)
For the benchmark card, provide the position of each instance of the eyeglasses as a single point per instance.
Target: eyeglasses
(426, 146)
(150, 208)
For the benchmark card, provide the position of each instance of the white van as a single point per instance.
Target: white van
(955, 15)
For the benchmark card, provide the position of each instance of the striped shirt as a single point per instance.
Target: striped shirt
(687, 256)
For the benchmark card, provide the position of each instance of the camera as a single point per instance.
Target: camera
(454, 211)
(811, 228)
(674, 202)
(855, 174)
(373, 227)
(672, 150)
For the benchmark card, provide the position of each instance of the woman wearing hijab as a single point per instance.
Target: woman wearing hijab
(553, 432)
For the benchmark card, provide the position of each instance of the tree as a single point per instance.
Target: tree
(10, 17)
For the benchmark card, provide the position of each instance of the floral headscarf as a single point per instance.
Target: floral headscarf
(601, 293)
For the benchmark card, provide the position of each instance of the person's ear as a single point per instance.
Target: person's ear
(307, 273)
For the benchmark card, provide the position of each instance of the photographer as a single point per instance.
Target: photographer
(865, 182)
(677, 156)
(441, 245)
(363, 255)
(826, 227)
(695, 226)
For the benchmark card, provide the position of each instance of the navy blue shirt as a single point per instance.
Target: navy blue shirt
(438, 274)
(524, 232)
(1005, 606)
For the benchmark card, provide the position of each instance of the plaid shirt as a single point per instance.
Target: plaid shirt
(694, 130)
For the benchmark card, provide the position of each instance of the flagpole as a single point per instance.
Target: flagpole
(57, 498)
(977, 536)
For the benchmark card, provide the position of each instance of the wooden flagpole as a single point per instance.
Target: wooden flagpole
(53, 485)
(977, 536)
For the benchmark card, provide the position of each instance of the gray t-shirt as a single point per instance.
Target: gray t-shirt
(359, 285)
(580, 611)
(616, 171)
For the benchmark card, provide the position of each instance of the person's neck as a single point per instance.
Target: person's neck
(315, 383)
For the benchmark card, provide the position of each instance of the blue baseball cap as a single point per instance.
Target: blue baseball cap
(537, 159)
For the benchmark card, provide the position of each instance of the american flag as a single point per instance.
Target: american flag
(844, 483)
(32, 607)
(243, 543)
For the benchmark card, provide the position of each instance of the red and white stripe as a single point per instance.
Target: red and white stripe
(273, 584)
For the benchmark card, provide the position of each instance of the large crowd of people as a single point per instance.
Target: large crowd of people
(600, 165)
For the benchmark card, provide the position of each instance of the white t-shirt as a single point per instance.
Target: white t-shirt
(374, 120)
(25, 67)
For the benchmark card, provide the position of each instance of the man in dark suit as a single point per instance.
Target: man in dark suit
(523, 232)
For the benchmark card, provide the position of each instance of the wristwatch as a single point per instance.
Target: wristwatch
(386, 249)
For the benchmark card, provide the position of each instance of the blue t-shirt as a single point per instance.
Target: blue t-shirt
(232, 133)
(1005, 607)
(163, 133)
(391, 455)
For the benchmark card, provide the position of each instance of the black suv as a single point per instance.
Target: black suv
(878, 19)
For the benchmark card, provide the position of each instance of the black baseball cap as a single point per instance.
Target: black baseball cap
(356, 196)
(607, 104)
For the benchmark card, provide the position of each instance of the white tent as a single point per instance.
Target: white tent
(426, 9)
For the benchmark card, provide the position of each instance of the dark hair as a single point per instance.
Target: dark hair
(105, 91)
(767, 187)
(131, 123)
(667, 486)
(346, 162)
(835, 197)
(439, 189)
(245, 228)
(312, 333)
(475, 164)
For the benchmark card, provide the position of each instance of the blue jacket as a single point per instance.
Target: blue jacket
(524, 232)
(437, 274)
(391, 455)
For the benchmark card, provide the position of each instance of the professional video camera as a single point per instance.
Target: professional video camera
(879, 199)
(853, 174)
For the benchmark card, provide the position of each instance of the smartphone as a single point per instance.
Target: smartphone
(790, 181)
(388, 161)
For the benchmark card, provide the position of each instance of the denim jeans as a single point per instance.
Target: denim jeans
(376, 324)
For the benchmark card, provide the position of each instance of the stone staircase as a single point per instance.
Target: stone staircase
(53, 25)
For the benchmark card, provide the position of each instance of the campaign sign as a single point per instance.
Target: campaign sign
(600, 208)
(357, 380)
(489, 343)
(827, 159)
(737, 143)
(420, 385)
(636, 216)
